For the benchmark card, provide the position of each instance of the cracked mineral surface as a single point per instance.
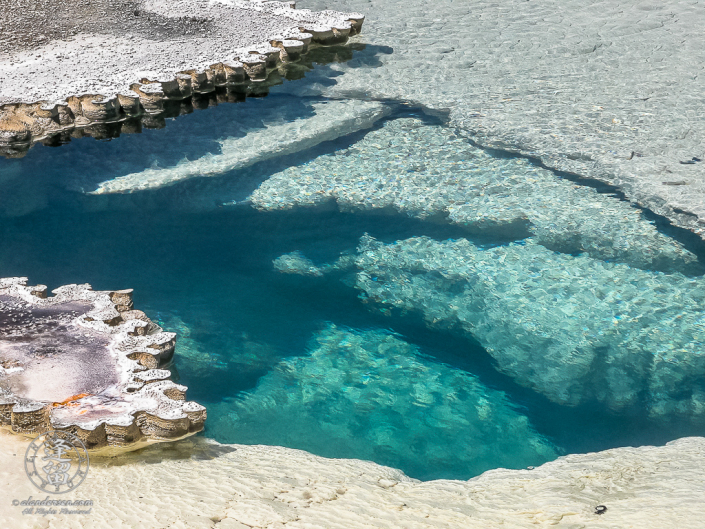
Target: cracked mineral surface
(52, 50)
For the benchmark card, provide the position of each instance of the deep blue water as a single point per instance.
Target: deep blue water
(205, 271)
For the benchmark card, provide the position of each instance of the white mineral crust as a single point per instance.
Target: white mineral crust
(580, 84)
(200, 484)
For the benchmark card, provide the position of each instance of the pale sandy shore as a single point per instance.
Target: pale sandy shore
(199, 483)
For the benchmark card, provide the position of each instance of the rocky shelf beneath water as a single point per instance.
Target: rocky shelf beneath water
(576, 329)
(604, 90)
(86, 362)
(81, 71)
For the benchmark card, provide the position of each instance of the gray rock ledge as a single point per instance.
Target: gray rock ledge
(86, 362)
(72, 69)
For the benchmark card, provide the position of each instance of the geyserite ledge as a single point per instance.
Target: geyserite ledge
(84, 361)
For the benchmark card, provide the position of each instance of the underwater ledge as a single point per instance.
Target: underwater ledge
(578, 85)
(85, 362)
(199, 483)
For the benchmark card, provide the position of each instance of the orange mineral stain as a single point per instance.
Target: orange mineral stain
(69, 401)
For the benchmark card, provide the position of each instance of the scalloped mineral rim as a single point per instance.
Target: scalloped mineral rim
(84, 361)
(97, 77)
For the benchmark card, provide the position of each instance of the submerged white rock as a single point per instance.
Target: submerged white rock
(579, 84)
(369, 394)
(431, 172)
(331, 120)
(573, 328)
(201, 484)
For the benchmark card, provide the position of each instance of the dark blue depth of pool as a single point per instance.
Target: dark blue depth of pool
(279, 358)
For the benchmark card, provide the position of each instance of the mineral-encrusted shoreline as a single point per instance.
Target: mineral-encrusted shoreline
(86, 362)
(201, 484)
(94, 74)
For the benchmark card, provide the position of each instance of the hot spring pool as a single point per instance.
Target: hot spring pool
(393, 294)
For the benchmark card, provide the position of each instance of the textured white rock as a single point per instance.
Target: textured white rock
(88, 365)
(199, 483)
(448, 177)
(571, 327)
(369, 394)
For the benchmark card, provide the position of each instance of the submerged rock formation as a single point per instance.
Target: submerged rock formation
(369, 394)
(201, 484)
(96, 74)
(330, 120)
(86, 362)
(603, 90)
(573, 328)
(432, 172)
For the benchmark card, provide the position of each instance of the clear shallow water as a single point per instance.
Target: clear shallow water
(257, 346)
(594, 303)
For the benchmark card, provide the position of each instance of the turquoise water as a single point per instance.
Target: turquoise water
(445, 358)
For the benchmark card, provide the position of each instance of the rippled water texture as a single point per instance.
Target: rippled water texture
(357, 279)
